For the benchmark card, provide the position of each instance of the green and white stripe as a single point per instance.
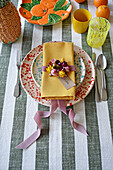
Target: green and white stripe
(55, 123)
(59, 146)
(105, 133)
(81, 146)
(29, 156)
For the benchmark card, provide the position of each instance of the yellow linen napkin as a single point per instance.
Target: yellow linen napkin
(51, 87)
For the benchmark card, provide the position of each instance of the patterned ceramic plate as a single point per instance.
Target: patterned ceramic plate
(34, 91)
(45, 12)
(37, 74)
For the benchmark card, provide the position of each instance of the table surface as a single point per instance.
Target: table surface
(59, 146)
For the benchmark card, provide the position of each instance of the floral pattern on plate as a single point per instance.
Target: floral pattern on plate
(37, 73)
(45, 12)
(34, 91)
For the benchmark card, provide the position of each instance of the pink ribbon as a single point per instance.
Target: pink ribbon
(42, 114)
(71, 67)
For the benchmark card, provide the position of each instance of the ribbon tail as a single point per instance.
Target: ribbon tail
(25, 144)
(75, 125)
(62, 106)
(54, 105)
(39, 114)
(79, 128)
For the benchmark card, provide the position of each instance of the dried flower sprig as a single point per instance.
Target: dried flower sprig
(58, 68)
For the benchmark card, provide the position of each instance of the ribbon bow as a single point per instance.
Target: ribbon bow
(42, 114)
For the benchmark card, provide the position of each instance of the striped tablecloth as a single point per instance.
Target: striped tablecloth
(60, 146)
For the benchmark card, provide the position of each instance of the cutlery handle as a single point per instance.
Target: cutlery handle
(97, 95)
(17, 87)
(103, 90)
(16, 90)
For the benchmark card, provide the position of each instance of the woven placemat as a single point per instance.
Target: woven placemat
(10, 25)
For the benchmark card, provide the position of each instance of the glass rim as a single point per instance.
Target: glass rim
(99, 18)
(82, 10)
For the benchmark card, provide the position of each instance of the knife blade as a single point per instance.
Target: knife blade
(97, 95)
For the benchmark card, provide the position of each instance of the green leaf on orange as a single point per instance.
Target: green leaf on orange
(58, 5)
(28, 6)
(53, 18)
(35, 18)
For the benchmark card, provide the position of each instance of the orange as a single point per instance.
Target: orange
(44, 19)
(63, 14)
(80, 1)
(48, 3)
(97, 3)
(103, 11)
(39, 10)
(26, 14)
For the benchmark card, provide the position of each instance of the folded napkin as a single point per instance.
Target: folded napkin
(51, 87)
